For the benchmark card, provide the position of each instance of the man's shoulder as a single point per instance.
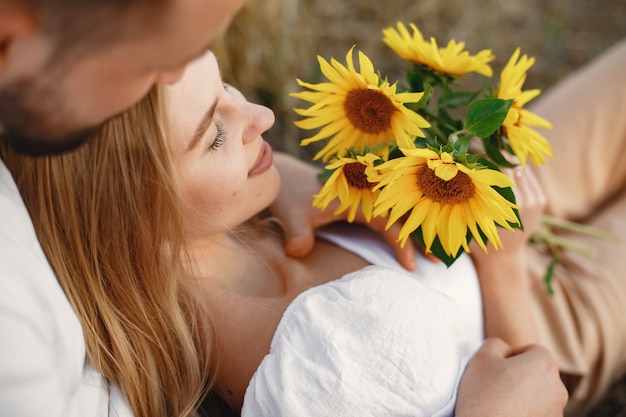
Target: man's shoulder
(28, 287)
(21, 250)
(42, 348)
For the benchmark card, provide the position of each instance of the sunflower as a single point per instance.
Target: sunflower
(451, 60)
(349, 183)
(524, 141)
(357, 110)
(445, 198)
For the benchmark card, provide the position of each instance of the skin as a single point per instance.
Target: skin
(294, 202)
(249, 281)
(505, 316)
(226, 151)
(54, 101)
(501, 381)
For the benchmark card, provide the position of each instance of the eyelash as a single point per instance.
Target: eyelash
(220, 137)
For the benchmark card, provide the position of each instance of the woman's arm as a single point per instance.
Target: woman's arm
(503, 276)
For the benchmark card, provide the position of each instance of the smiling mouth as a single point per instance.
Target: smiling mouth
(264, 161)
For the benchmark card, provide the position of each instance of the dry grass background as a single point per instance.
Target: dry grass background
(273, 42)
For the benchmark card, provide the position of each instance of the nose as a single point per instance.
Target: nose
(260, 119)
(171, 76)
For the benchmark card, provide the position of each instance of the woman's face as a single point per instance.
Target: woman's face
(224, 165)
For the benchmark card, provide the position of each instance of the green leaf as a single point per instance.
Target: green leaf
(461, 143)
(428, 92)
(456, 99)
(547, 279)
(437, 249)
(415, 79)
(325, 175)
(493, 151)
(419, 142)
(485, 116)
(452, 123)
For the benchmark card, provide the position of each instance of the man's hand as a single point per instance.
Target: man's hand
(500, 381)
(294, 208)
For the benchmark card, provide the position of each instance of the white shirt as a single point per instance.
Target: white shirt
(43, 369)
(377, 342)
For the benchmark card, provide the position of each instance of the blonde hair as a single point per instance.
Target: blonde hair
(107, 217)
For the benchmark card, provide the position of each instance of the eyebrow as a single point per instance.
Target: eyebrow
(203, 125)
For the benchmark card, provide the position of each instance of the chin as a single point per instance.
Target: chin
(271, 186)
(268, 186)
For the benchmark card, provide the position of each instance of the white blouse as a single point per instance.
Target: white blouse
(378, 341)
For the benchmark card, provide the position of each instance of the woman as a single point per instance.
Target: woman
(249, 285)
(146, 330)
(141, 334)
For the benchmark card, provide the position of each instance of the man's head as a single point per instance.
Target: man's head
(68, 65)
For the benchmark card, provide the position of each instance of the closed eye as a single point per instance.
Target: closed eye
(220, 137)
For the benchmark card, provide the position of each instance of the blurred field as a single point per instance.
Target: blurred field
(273, 42)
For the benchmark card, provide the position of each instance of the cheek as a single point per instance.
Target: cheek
(213, 192)
(114, 101)
(103, 94)
(264, 189)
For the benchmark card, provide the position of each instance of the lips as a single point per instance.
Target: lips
(264, 161)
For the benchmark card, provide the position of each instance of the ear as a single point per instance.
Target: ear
(15, 21)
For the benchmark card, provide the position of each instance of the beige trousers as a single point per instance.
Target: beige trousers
(584, 322)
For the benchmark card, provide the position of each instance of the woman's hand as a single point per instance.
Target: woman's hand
(501, 381)
(294, 208)
(531, 202)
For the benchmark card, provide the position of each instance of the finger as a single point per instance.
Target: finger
(299, 238)
(492, 346)
(530, 199)
(536, 189)
(532, 349)
(528, 185)
(542, 357)
(405, 255)
(431, 257)
(528, 195)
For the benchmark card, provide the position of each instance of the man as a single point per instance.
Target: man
(68, 65)
(65, 67)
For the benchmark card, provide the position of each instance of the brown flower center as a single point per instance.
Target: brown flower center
(356, 177)
(456, 190)
(369, 110)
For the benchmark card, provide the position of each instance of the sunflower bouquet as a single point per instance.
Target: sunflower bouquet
(407, 153)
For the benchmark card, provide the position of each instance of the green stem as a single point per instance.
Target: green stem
(454, 136)
(578, 228)
(431, 117)
(555, 242)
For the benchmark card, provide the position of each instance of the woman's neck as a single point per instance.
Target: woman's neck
(243, 261)
(251, 261)
(248, 282)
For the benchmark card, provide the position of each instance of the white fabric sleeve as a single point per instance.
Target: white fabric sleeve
(374, 343)
(43, 369)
